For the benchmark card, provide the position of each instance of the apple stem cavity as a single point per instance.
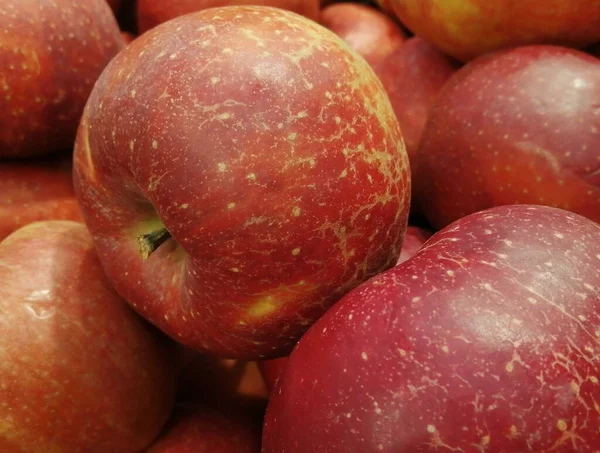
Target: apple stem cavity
(148, 243)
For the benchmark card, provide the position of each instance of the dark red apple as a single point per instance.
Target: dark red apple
(469, 28)
(80, 371)
(413, 240)
(200, 429)
(412, 76)
(515, 126)
(486, 340)
(368, 31)
(51, 53)
(257, 161)
(271, 370)
(36, 189)
(151, 13)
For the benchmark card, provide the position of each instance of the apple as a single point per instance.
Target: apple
(370, 32)
(51, 53)
(36, 189)
(413, 75)
(80, 371)
(240, 169)
(514, 126)
(151, 13)
(485, 340)
(127, 37)
(466, 29)
(215, 381)
(413, 240)
(198, 429)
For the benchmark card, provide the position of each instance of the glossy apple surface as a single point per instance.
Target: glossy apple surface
(273, 166)
(80, 371)
(36, 189)
(370, 32)
(51, 53)
(151, 13)
(516, 126)
(485, 340)
(469, 28)
(198, 429)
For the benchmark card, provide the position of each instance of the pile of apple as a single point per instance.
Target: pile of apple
(293, 226)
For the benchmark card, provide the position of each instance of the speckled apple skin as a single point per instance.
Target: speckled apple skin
(80, 372)
(486, 340)
(516, 126)
(466, 29)
(51, 53)
(151, 13)
(270, 152)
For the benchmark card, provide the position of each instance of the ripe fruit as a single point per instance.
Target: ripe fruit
(80, 371)
(469, 28)
(515, 126)
(51, 53)
(266, 159)
(485, 340)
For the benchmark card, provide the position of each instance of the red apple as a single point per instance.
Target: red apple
(127, 37)
(151, 13)
(215, 381)
(51, 53)
(371, 33)
(199, 429)
(272, 168)
(271, 370)
(413, 240)
(515, 126)
(412, 76)
(80, 371)
(36, 189)
(469, 28)
(485, 340)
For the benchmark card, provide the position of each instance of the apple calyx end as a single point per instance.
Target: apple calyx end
(149, 242)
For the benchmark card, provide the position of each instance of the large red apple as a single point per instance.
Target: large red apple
(51, 53)
(80, 371)
(271, 370)
(412, 76)
(199, 429)
(371, 33)
(151, 13)
(36, 189)
(515, 126)
(267, 158)
(469, 28)
(486, 340)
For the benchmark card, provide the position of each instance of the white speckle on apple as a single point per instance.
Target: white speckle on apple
(296, 251)
(364, 355)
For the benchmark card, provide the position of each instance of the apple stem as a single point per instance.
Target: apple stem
(150, 242)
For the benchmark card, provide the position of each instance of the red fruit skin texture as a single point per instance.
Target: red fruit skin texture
(466, 29)
(413, 240)
(412, 76)
(51, 53)
(368, 31)
(151, 13)
(275, 162)
(485, 340)
(80, 371)
(36, 189)
(127, 37)
(200, 429)
(271, 370)
(516, 126)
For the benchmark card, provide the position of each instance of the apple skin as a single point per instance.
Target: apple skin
(280, 197)
(271, 370)
(412, 76)
(466, 29)
(151, 13)
(36, 189)
(413, 240)
(51, 53)
(514, 126)
(485, 340)
(199, 429)
(127, 37)
(80, 371)
(371, 33)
